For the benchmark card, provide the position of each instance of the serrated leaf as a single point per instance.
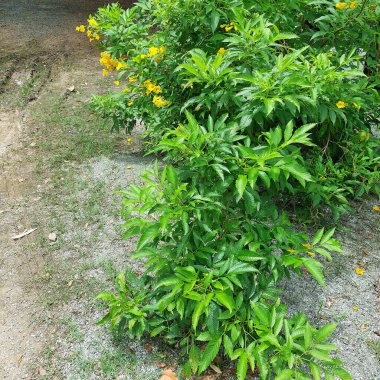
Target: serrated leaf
(242, 366)
(325, 331)
(314, 268)
(226, 300)
(315, 371)
(196, 314)
(241, 184)
(209, 354)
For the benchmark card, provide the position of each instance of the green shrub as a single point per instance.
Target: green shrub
(250, 119)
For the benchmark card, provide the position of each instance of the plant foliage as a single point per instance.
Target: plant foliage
(263, 112)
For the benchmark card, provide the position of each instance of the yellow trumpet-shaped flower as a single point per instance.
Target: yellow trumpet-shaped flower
(359, 271)
(341, 5)
(80, 28)
(158, 101)
(341, 104)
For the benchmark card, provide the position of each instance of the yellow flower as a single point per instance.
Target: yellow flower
(341, 104)
(340, 5)
(92, 22)
(142, 56)
(223, 26)
(291, 250)
(126, 89)
(105, 72)
(153, 51)
(158, 101)
(221, 51)
(132, 79)
(117, 83)
(89, 33)
(307, 245)
(353, 5)
(121, 65)
(359, 271)
(162, 49)
(376, 208)
(80, 28)
(107, 61)
(356, 106)
(129, 140)
(150, 87)
(228, 28)
(310, 253)
(96, 36)
(356, 308)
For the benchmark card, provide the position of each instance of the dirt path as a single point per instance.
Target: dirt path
(37, 42)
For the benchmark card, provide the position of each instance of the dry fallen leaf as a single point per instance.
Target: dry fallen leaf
(168, 375)
(32, 145)
(19, 358)
(42, 372)
(70, 283)
(329, 303)
(148, 348)
(216, 369)
(160, 364)
(364, 326)
(53, 236)
(25, 233)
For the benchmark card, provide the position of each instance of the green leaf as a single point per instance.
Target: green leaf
(325, 331)
(212, 319)
(242, 366)
(317, 237)
(196, 314)
(308, 335)
(226, 300)
(148, 236)
(157, 330)
(342, 374)
(215, 16)
(285, 374)
(328, 235)
(320, 355)
(314, 268)
(228, 346)
(209, 354)
(241, 184)
(195, 354)
(315, 371)
(168, 282)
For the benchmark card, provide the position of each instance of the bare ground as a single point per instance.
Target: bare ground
(59, 173)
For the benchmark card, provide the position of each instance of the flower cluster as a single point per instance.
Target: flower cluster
(350, 5)
(153, 51)
(150, 87)
(108, 62)
(342, 104)
(90, 34)
(228, 27)
(158, 101)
